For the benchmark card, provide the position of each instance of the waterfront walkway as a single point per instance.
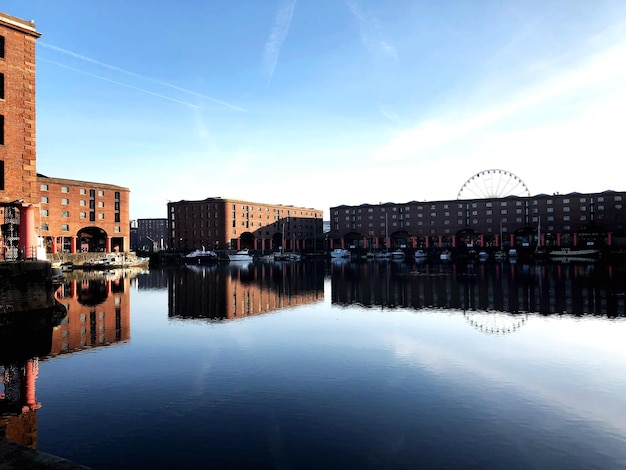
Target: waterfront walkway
(17, 457)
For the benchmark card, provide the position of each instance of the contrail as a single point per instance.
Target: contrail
(133, 74)
(120, 83)
(277, 37)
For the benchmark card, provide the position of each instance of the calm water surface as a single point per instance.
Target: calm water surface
(339, 365)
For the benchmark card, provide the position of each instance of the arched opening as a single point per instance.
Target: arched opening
(246, 240)
(91, 239)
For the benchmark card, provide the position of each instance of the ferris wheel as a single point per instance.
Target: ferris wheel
(496, 323)
(492, 184)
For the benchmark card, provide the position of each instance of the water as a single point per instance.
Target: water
(339, 365)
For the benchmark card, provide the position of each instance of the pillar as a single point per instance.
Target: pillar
(440, 241)
(482, 241)
(427, 242)
(609, 239)
(497, 239)
(53, 245)
(28, 234)
(73, 244)
(365, 243)
(108, 245)
(558, 239)
(575, 239)
(454, 241)
(512, 239)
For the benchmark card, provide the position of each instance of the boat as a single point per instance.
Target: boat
(483, 255)
(383, 255)
(340, 253)
(574, 253)
(113, 261)
(499, 255)
(241, 255)
(445, 256)
(201, 257)
(397, 255)
(290, 256)
(420, 255)
(512, 253)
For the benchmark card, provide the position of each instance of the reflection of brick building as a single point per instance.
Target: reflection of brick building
(239, 292)
(74, 215)
(148, 235)
(218, 223)
(98, 313)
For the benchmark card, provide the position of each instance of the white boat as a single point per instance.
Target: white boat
(383, 255)
(340, 253)
(483, 255)
(569, 252)
(420, 255)
(397, 255)
(445, 256)
(201, 257)
(512, 253)
(241, 255)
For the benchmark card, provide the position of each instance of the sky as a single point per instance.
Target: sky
(320, 103)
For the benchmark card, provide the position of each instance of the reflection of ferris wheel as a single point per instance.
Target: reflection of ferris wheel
(496, 323)
(493, 184)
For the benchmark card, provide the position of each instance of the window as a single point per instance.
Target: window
(1, 47)
(65, 214)
(92, 193)
(65, 228)
(65, 189)
(117, 195)
(117, 217)
(83, 203)
(1, 175)
(100, 193)
(83, 215)
(1, 86)
(83, 191)
(117, 229)
(100, 203)
(44, 212)
(44, 199)
(1, 129)
(43, 187)
(92, 216)
(45, 227)
(65, 201)
(100, 216)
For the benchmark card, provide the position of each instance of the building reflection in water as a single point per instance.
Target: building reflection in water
(549, 288)
(28, 314)
(228, 291)
(40, 320)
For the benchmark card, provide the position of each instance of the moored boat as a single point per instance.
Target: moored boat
(241, 255)
(201, 257)
(569, 252)
(340, 253)
(398, 255)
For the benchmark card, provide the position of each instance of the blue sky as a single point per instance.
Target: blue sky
(319, 103)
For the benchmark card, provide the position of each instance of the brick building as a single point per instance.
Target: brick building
(80, 216)
(67, 215)
(216, 223)
(553, 220)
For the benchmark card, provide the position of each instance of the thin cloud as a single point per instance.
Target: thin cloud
(274, 43)
(142, 90)
(133, 74)
(599, 75)
(371, 34)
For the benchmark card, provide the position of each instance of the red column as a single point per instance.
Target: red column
(609, 240)
(482, 241)
(73, 244)
(388, 241)
(440, 241)
(575, 239)
(454, 241)
(53, 247)
(558, 239)
(342, 247)
(364, 242)
(427, 242)
(28, 234)
(108, 245)
(497, 238)
(512, 239)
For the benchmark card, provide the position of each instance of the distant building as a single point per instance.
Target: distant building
(149, 235)
(216, 223)
(68, 215)
(574, 219)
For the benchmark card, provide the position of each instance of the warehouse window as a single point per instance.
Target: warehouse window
(1, 86)
(1, 175)
(1, 129)
(1, 47)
